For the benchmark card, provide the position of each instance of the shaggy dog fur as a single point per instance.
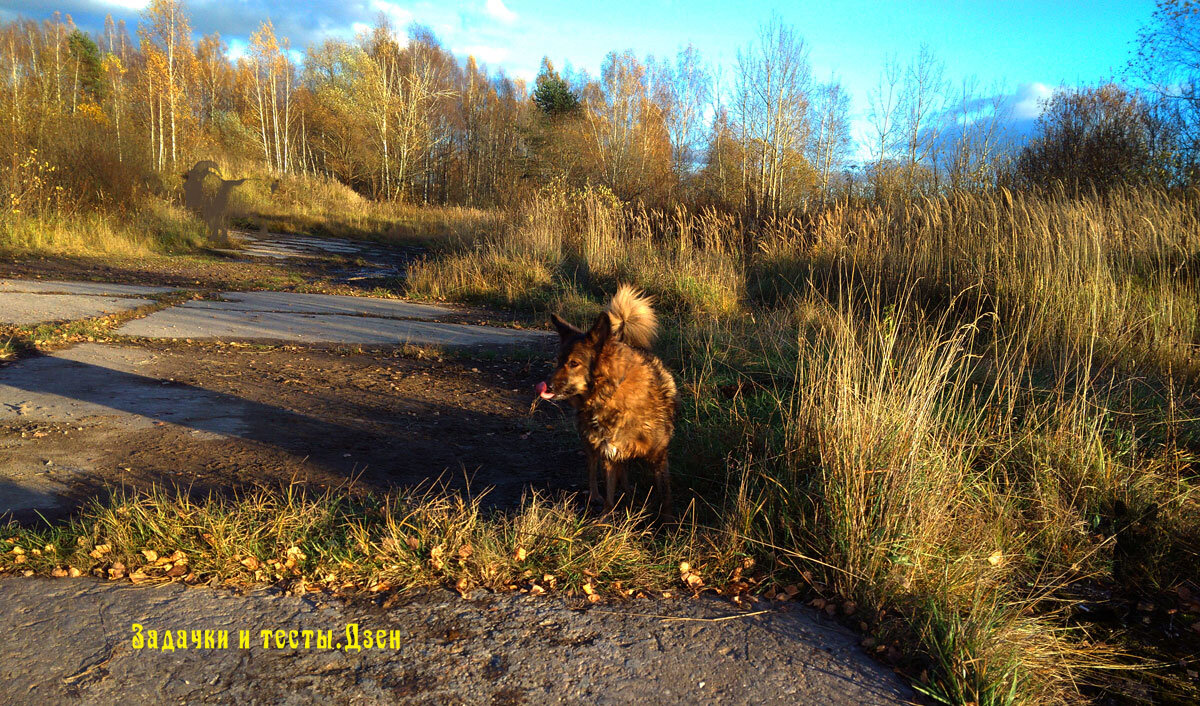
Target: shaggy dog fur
(625, 400)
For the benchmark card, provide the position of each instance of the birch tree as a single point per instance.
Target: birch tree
(168, 32)
(773, 85)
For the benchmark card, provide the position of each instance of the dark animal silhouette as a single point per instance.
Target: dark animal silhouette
(214, 209)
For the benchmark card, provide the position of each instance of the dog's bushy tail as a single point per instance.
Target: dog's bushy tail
(634, 321)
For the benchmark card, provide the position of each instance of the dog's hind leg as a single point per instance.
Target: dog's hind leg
(662, 486)
(593, 486)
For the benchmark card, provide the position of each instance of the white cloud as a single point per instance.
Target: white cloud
(398, 16)
(526, 75)
(1027, 103)
(497, 10)
(237, 49)
(126, 4)
(486, 54)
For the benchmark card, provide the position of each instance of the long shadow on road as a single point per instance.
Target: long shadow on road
(140, 429)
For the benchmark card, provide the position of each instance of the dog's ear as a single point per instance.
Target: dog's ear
(565, 330)
(602, 329)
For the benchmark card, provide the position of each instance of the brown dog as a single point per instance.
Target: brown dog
(625, 400)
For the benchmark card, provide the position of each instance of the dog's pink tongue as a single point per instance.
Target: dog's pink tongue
(543, 391)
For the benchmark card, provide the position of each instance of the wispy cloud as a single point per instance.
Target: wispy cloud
(486, 54)
(497, 10)
(489, 30)
(399, 17)
(1028, 101)
(136, 5)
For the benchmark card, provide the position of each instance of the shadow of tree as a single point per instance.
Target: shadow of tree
(204, 440)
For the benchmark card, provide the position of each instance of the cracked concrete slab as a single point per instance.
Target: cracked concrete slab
(94, 288)
(91, 380)
(364, 261)
(489, 648)
(297, 303)
(21, 308)
(314, 318)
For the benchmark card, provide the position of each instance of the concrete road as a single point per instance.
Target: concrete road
(253, 316)
(35, 301)
(320, 318)
(72, 641)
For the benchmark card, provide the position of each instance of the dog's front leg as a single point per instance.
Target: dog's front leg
(612, 472)
(593, 486)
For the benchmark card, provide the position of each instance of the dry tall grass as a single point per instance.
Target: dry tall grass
(316, 205)
(952, 410)
(564, 244)
(1116, 276)
(156, 227)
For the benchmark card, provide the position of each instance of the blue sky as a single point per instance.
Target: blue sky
(1017, 47)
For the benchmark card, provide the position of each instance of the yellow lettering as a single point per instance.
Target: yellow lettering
(307, 637)
(394, 639)
(223, 640)
(243, 639)
(168, 644)
(138, 640)
(325, 639)
(352, 638)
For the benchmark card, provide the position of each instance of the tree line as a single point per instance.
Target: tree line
(397, 116)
